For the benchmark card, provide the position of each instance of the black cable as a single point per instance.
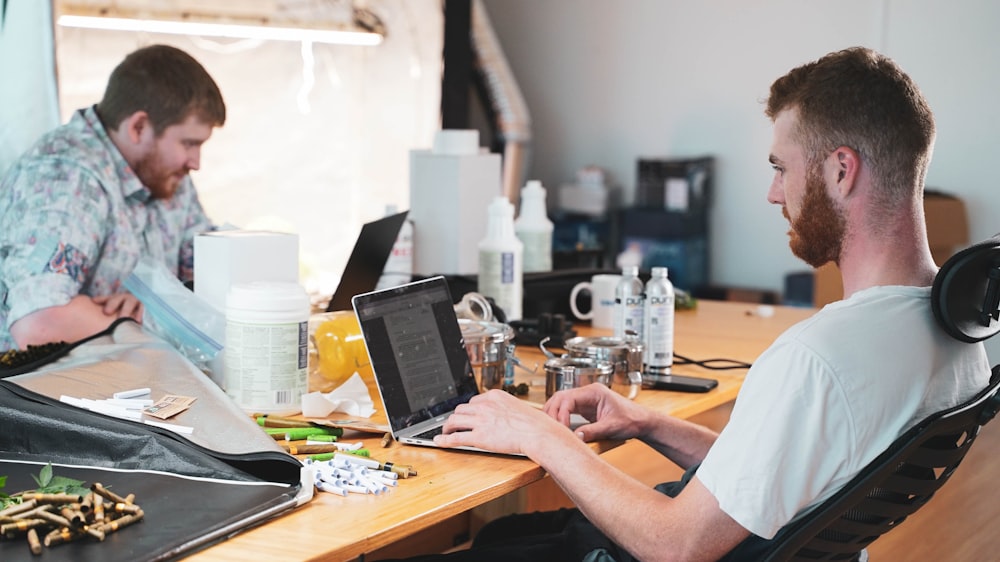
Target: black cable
(716, 364)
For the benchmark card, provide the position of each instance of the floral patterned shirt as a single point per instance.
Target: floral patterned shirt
(75, 219)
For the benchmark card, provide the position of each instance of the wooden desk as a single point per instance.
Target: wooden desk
(449, 483)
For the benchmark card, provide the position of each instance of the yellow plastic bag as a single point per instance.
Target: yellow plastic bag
(337, 351)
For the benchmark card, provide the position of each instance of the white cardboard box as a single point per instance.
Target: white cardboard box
(227, 257)
(449, 197)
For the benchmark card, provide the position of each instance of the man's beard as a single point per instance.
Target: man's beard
(817, 235)
(161, 182)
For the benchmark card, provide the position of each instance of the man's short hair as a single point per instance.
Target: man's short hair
(863, 100)
(166, 83)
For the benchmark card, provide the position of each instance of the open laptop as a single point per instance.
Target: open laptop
(421, 366)
(364, 266)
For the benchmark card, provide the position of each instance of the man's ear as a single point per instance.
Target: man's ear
(137, 127)
(842, 169)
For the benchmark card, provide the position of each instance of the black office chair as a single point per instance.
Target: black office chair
(965, 299)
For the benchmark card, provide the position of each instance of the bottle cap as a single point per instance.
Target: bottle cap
(533, 188)
(533, 205)
(501, 207)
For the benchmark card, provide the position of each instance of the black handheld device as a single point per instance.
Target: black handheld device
(679, 383)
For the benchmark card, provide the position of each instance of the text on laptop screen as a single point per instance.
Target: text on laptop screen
(414, 340)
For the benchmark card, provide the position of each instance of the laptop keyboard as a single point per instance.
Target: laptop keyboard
(430, 433)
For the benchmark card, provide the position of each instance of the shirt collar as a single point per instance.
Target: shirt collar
(132, 188)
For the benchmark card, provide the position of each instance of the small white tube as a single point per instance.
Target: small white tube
(355, 459)
(78, 402)
(356, 489)
(331, 488)
(134, 393)
(115, 411)
(386, 474)
(129, 403)
(176, 428)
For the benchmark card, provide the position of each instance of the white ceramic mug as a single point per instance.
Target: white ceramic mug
(602, 300)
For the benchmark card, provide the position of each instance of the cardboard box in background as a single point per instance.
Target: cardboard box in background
(827, 285)
(947, 225)
(451, 188)
(947, 232)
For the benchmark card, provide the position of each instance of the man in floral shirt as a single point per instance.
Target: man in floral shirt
(81, 207)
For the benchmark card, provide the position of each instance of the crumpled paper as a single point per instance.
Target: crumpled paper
(351, 398)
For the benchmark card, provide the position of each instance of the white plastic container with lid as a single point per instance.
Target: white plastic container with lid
(659, 318)
(534, 228)
(267, 354)
(500, 255)
(629, 305)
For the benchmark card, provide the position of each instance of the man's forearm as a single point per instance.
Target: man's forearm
(79, 318)
(683, 442)
(650, 525)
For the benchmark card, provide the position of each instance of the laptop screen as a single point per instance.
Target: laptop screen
(417, 352)
(367, 260)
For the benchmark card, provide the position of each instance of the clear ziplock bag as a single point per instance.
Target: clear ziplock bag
(176, 314)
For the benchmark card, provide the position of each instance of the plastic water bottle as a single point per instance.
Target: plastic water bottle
(629, 306)
(398, 268)
(659, 319)
(500, 255)
(534, 228)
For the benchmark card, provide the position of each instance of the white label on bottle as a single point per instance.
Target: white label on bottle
(499, 279)
(507, 267)
(629, 316)
(398, 268)
(660, 331)
(634, 315)
(537, 250)
(266, 364)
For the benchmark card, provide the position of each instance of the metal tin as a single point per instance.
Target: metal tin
(625, 355)
(490, 348)
(563, 373)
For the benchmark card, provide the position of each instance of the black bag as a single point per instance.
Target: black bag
(194, 490)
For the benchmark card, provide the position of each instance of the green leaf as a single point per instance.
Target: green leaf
(77, 490)
(48, 483)
(61, 484)
(45, 475)
(5, 500)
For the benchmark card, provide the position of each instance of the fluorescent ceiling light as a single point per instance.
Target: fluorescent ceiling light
(223, 30)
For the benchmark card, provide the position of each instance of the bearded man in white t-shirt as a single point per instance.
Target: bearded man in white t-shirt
(852, 140)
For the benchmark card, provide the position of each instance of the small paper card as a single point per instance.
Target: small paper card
(168, 406)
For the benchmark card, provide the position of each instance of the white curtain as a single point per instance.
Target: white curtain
(28, 98)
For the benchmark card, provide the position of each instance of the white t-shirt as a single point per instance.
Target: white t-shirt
(829, 396)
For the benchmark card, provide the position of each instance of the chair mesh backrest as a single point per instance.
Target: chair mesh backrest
(890, 488)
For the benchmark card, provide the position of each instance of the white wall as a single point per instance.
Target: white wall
(609, 82)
